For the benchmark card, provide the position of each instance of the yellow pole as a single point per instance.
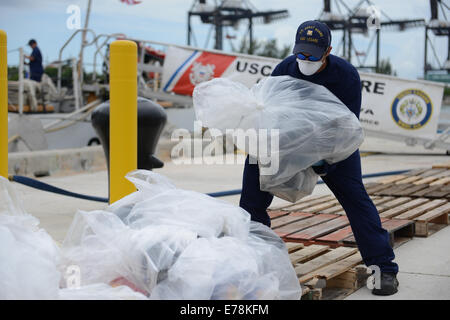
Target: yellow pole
(123, 117)
(3, 106)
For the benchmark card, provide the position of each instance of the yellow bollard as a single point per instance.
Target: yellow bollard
(122, 117)
(3, 106)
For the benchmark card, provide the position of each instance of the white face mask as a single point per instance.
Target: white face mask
(307, 67)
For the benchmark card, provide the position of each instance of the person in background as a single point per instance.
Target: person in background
(36, 69)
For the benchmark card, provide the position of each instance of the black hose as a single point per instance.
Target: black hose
(33, 183)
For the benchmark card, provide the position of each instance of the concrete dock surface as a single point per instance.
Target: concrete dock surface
(424, 262)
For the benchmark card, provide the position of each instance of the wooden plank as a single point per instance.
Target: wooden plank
(411, 214)
(408, 180)
(445, 165)
(305, 292)
(416, 172)
(354, 279)
(398, 230)
(404, 207)
(307, 253)
(292, 217)
(338, 236)
(370, 184)
(392, 179)
(382, 200)
(334, 209)
(341, 213)
(376, 188)
(438, 194)
(305, 204)
(410, 190)
(324, 260)
(320, 229)
(333, 269)
(303, 224)
(392, 189)
(303, 200)
(431, 172)
(426, 180)
(322, 206)
(437, 216)
(277, 214)
(423, 192)
(441, 181)
(292, 246)
(392, 225)
(443, 174)
(430, 215)
(401, 190)
(337, 209)
(392, 204)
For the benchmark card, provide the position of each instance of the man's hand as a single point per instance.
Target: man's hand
(320, 167)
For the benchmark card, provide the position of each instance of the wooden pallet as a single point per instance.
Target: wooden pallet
(326, 273)
(429, 183)
(333, 230)
(428, 215)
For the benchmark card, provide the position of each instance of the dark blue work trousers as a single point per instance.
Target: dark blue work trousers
(345, 181)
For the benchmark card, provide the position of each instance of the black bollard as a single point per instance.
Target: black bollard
(151, 120)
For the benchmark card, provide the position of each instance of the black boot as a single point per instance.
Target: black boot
(388, 284)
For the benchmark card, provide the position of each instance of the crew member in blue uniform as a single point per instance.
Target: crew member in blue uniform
(36, 69)
(312, 61)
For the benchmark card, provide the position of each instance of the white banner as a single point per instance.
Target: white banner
(185, 68)
(389, 104)
(399, 106)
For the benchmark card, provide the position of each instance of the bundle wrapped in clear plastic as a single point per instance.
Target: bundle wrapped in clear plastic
(191, 247)
(230, 268)
(31, 264)
(28, 255)
(308, 122)
(159, 202)
(141, 256)
(176, 244)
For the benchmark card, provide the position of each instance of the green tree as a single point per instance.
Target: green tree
(13, 73)
(66, 74)
(385, 67)
(264, 48)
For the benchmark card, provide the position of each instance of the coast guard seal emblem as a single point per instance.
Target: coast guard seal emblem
(411, 109)
(201, 73)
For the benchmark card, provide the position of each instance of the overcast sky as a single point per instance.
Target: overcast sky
(166, 20)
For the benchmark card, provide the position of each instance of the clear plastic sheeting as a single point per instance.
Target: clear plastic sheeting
(28, 255)
(312, 125)
(159, 242)
(101, 291)
(229, 268)
(176, 244)
(158, 202)
(141, 256)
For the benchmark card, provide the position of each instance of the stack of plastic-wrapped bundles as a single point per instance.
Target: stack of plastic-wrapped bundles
(160, 242)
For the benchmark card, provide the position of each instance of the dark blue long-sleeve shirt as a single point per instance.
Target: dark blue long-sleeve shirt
(36, 68)
(339, 76)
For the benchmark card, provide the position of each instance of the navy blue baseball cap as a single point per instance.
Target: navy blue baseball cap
(313, 37)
